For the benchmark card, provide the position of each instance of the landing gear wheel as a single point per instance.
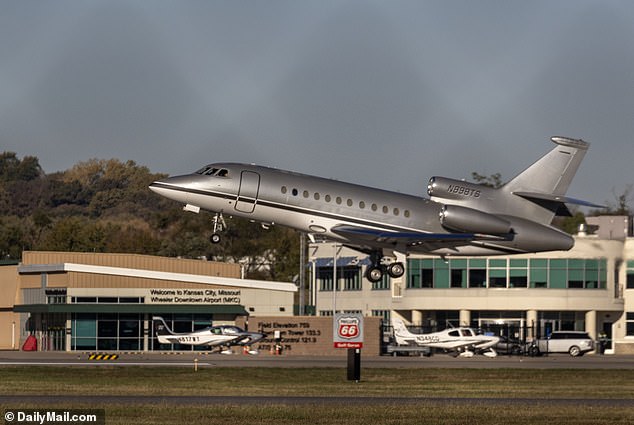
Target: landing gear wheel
(215, 238)
(396, 270)
(374, 274)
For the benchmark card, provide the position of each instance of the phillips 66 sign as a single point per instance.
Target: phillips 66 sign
(348, 330)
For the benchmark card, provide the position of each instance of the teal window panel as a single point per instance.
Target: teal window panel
(497, 278)
(576, 264)
(558, 264)
(518, 262)
(497, 263)
(441, 278)
(575, 278)
(428, 264)
(477, 263)
(541, 263)
(558, 278)
(539, 278)
(630, 264)
(458, 264)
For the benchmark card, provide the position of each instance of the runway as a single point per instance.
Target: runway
(204, 360)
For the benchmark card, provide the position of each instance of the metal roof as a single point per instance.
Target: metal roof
(151, 274)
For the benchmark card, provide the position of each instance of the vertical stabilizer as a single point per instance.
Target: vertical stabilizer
(160, 327)
(546, 181)
(402, 335)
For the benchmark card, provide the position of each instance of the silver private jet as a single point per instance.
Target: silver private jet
(458, 218)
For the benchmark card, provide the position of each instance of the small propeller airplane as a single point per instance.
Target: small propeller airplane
(464, 342)
(459, 218)
(213, 336)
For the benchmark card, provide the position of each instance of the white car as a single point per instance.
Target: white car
(571, 342)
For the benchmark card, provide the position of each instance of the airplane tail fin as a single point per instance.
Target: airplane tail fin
(401, 333)
(160, 327)
(546, 181)
(536, 194)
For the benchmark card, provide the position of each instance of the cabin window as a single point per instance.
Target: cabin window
(396, 211)
(406, 213)
(328, 198)
(316, 196)
(306, 194)
(338, 200)
(349, 202)
(295, 192)
(385, 209)
(374, 207)
(284, 189)
(362, 205)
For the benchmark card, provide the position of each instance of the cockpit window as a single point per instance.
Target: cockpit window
(213, 171)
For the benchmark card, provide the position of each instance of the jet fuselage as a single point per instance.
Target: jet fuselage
(353, 214)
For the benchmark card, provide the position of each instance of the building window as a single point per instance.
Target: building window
(384, 314)
(420, 273)
(477, 273)
(382, 284)
(558, 274)
(518, 273)
(348, 278)
(458, 274)
(538, 269)
(351, 276)
(629, 324)
(630, 275)
(497, 273)
(325, 276)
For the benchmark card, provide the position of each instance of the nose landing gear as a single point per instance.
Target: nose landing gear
(219, 226)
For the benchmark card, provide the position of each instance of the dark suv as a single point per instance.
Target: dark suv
(571, 342)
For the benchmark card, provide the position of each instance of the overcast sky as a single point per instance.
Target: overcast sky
(383, 93)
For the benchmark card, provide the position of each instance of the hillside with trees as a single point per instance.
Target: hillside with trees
(106, 206)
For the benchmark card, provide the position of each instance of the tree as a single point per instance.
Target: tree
(494, 180)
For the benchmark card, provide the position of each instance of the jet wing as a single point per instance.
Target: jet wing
(408, 238)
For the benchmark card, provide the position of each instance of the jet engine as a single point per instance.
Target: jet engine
(468, 220)
(445, 188)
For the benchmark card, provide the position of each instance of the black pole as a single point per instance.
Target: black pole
(354, 364)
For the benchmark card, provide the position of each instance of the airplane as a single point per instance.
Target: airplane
(213, 336)
(462, 341)
(458, 218)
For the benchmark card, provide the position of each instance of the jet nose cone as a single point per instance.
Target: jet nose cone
(175, 188)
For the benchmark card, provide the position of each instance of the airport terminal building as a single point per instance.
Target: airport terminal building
(589, 288)
(87, 301)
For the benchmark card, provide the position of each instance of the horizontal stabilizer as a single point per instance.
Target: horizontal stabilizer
(556, 198)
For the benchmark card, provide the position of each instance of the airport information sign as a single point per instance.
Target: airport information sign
(348, 330)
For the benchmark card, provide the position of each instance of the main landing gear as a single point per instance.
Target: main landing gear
(377, 270)
(219, 226)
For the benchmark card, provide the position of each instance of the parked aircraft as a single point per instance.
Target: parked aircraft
(459, 218)
(459, 341)
(213, 336)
